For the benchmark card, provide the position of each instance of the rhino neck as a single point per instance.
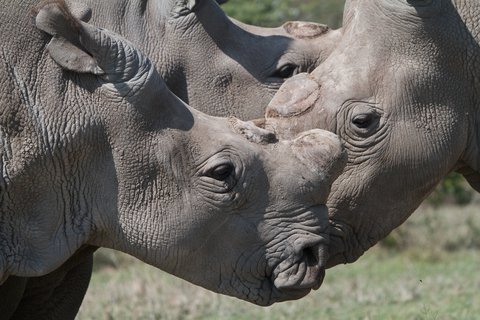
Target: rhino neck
(469, 14)
(50, 199)
(49, 150)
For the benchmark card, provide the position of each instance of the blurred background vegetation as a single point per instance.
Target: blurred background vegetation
(273, 13)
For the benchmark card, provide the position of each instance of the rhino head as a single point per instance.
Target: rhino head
(121, 162)
(215, 63)
(235, 64)
(400, 88)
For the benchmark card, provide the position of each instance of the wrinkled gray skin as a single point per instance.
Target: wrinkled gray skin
(105, 155)
(216, 64)
(233, 69)
(401, 89)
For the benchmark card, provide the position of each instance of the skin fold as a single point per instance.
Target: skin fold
(97, 151)
(400, 88)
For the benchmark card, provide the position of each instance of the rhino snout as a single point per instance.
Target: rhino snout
(302, 269)
(323, 157)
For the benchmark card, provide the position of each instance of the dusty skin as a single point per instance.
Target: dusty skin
(235, 69)
(400, 87)
(97, 151)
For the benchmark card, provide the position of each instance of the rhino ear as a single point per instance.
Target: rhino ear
(183, 7)
(72, 58)
(55, 18)
(319, 35)
(80, 47)
(81, 11)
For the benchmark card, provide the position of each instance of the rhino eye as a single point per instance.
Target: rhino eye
(363, 120)
(286, 71)
(221, 172)
(366, 123)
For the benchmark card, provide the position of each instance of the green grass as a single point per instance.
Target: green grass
(426, 269)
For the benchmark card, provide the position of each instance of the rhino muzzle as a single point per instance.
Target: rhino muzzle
(301, 267)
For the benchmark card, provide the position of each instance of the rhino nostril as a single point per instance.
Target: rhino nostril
(311, 256)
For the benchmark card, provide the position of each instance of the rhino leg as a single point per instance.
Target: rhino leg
(57, 295)
(11, 292)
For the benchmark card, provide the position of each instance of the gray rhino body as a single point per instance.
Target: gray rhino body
(401, 89)
(216, 64)
(105, 155)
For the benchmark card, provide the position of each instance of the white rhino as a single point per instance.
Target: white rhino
(400, 87)
(217, 64)
(214, 63)
(105, 155)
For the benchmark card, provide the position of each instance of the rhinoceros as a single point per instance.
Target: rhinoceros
(216, 64)
(219, 65)
(96, 150)
(401, 89)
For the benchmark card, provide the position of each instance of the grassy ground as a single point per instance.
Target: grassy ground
(427, 269)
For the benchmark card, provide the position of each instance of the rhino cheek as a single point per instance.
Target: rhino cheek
(263, 261)
(241, 271)
(368, 201)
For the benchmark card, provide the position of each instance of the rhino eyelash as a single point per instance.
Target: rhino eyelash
(286, 71)
(221, 172)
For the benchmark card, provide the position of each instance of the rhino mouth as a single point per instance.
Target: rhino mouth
(303, 268)
(302, 273)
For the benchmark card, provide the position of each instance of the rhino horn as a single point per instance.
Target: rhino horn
(305, 30)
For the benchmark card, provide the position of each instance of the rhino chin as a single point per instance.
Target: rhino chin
(305, 274)
(310, 280)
